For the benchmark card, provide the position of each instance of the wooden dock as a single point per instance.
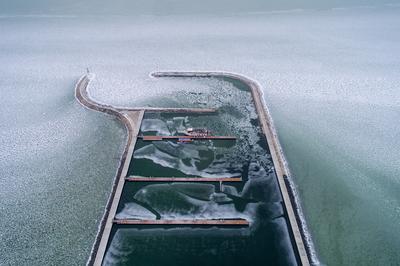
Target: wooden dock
(158, 138)
(170, 110)
(239, 222)
(182, 179)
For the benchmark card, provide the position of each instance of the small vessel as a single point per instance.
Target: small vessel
(197, 132)
(185, 140)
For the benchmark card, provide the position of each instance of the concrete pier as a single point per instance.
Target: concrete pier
(156, 138)
(182, 179)
(171, 110)
(83, 97)
(240, 222)
(132, 121)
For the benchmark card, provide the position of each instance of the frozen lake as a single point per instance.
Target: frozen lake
(330, 77)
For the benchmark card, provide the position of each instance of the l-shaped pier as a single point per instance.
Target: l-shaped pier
(132, 117)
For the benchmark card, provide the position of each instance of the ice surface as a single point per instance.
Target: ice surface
(133, 210)
(330, 78)
(187, 159)
(192, 201)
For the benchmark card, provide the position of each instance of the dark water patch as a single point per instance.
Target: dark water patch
(205, 245)
(257, 199)
(149, 169)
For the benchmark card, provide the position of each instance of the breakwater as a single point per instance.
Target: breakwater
(132, 117)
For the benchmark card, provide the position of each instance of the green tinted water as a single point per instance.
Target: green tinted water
(257, 199)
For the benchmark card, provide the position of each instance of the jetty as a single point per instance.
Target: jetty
(239, 222)
(157, 138)
(182, 179)
(132, 118)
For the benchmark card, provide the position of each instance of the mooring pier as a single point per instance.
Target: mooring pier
(132, 118)
(155, 138)
(183, 179)
(239, 222)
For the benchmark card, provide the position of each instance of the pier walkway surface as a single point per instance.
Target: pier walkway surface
(154, 138)
(183, 179)
(132, 118)
(239, 222)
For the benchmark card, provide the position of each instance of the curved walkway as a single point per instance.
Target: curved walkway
(132, 121)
